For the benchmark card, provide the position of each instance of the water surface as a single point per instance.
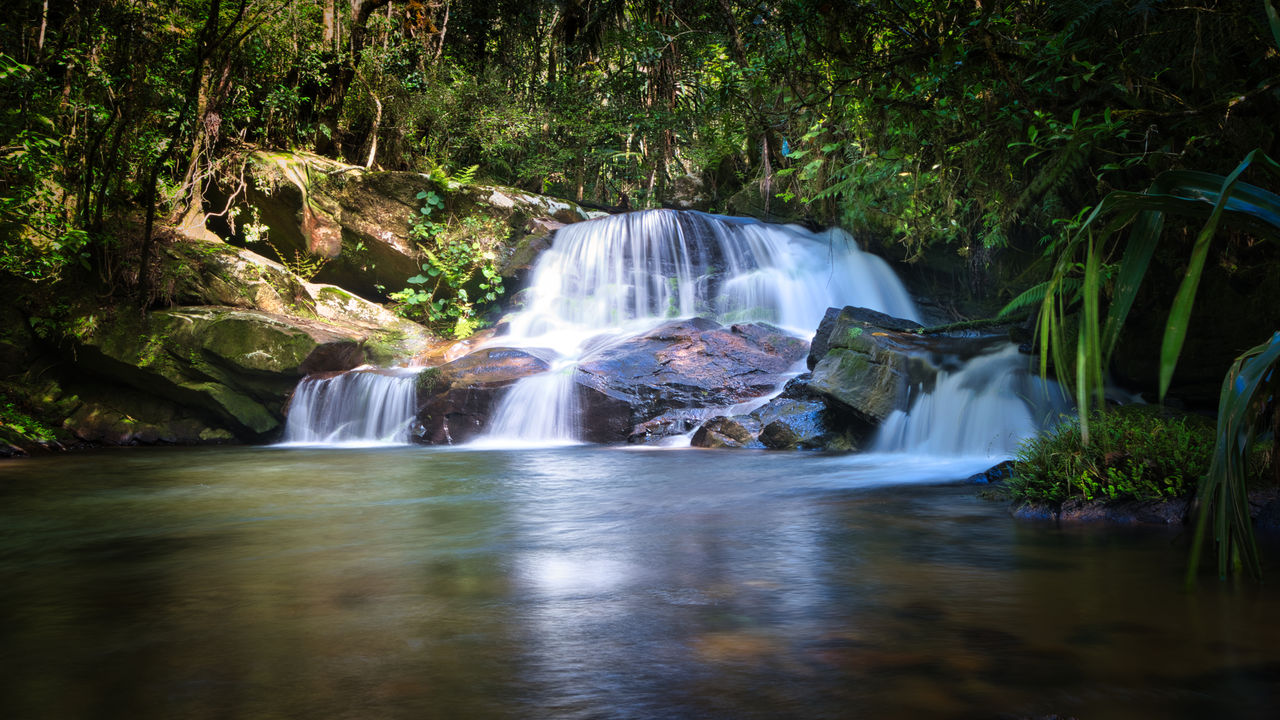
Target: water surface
(588, 582)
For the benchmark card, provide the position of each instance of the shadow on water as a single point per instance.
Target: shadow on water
(590, 582)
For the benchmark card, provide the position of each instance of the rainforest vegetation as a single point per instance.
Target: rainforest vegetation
(966, 129)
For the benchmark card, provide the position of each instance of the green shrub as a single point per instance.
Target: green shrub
(1134, 452)
(460, 275)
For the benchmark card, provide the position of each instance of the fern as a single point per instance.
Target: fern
(463, 179)
(1034, 295)
(1062, 167)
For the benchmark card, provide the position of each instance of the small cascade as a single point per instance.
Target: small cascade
(541, 410)
(624, 274)
(362, 406)
(986, 407)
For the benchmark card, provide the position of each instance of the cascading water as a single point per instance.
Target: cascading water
(984, 408)
(611, 278)
(625, 274)
(628, 272)
(362, 406)
(541, 410)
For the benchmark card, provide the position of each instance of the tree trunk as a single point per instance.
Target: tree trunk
(330, 25)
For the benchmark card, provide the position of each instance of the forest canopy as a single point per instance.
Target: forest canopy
(933, 126)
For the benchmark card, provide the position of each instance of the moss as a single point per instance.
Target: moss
(386, 347)
(429, 381)
(333, 294)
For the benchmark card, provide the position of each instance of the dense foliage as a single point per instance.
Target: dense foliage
(967, 126)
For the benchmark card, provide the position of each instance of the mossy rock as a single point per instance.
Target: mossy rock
(238, 366)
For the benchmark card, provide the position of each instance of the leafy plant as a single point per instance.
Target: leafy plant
(461, 258)
(1251, 387)
(1137, 452)
(1080, 271)
(16, 421)
(1076, 287)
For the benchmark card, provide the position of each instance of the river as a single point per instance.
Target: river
(592, 582)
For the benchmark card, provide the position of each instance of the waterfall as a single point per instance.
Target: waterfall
(624, 274)
(361, 406)
(541, 410)
(986, 407)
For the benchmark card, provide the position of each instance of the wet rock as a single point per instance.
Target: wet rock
(840, 320)
(1127, 512)
(870, 363)
(795, 424)
(997, 473)
(685, 365)
(798, 419)
(727, 432)
(456, 400)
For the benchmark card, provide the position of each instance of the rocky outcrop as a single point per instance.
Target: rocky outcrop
(685, 366)
(363, 220)
(457, 399)
(231, 369)
(864, 366)
(867, 362)
(798, 419)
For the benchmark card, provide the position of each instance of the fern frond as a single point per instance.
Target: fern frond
(1034, 295)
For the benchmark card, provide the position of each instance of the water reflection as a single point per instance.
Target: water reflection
(589, 583)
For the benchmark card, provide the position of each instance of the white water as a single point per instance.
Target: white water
(625, 274)
(365, 406)
(539, 411)
(985, 409)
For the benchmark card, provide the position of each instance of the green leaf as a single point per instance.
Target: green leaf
(1273, 19)
(1143, 239)
(1175, 332)
(417, 280)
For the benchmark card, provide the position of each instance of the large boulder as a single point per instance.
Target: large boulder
(640, 389)
(363, 220)
(456, 400)
(865, 366)
(218, 274)
(684, 367)
(230, 369)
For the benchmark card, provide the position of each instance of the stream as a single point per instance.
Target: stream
(593, 582)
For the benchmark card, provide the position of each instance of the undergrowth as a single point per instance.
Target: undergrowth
(1134, 453)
